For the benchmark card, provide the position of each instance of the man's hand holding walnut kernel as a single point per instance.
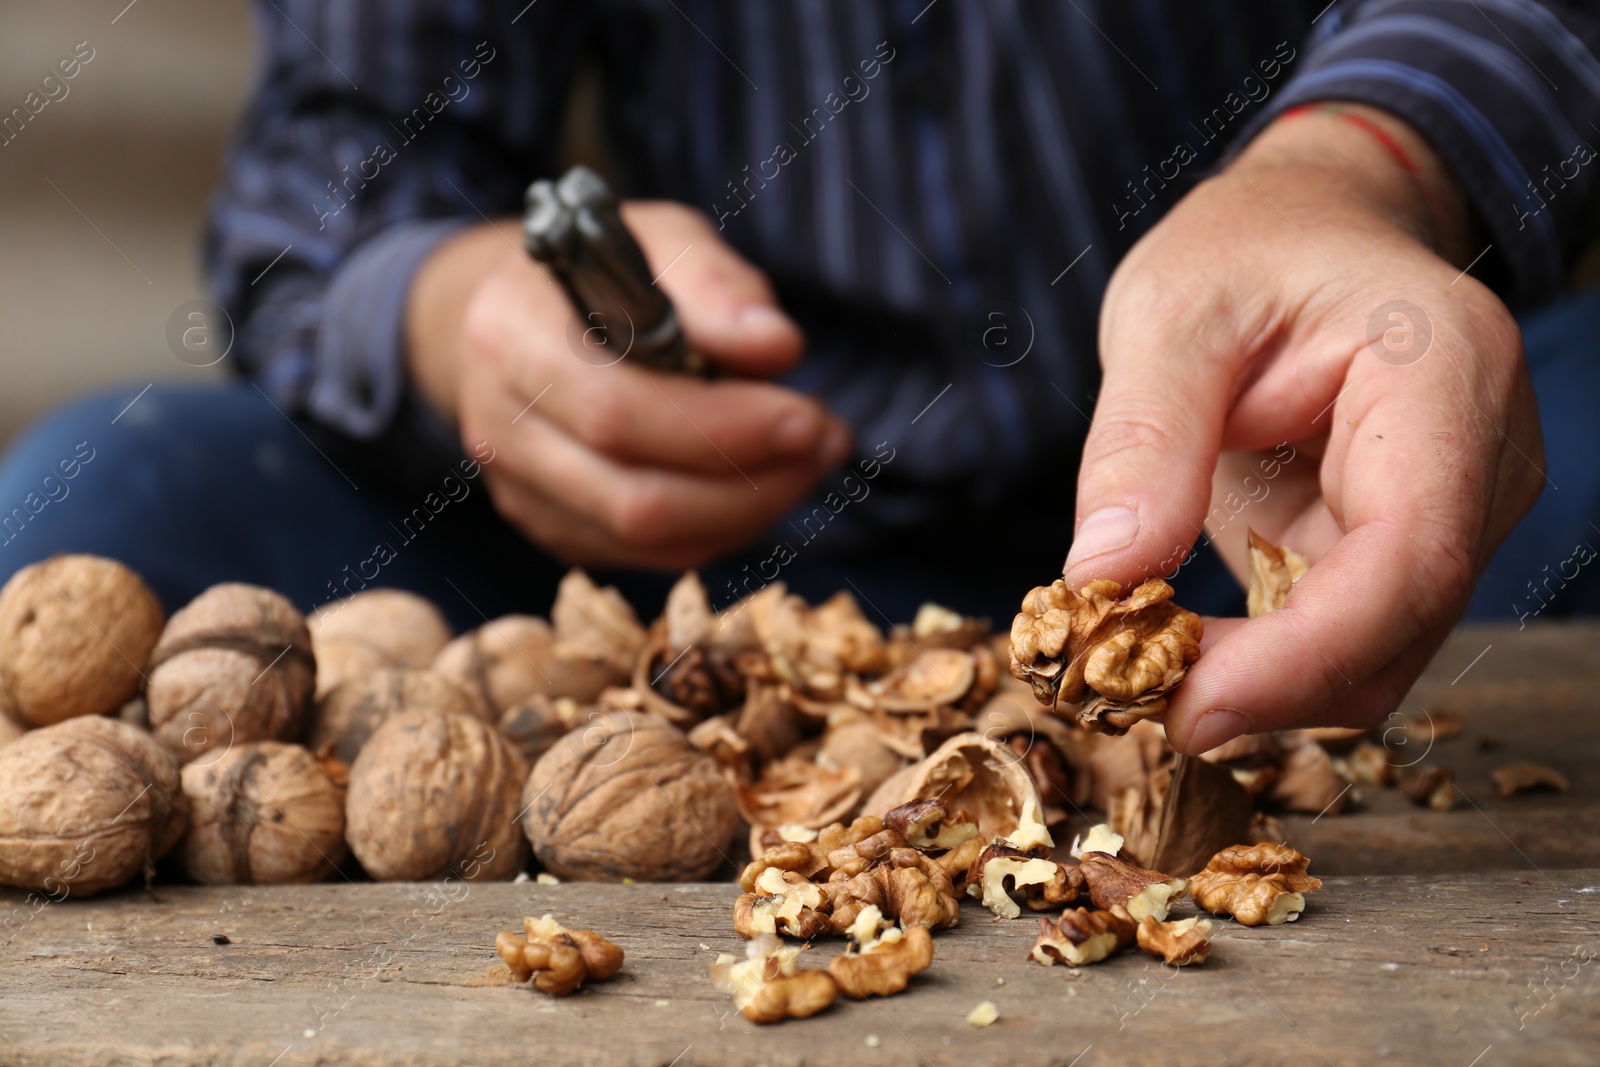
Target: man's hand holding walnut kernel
(1241, 322)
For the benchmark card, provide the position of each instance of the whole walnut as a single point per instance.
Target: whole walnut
(86, 805)
(263, 813)
(75, 632)
(347, 716)
(434, 795)
(372, 629)
(508, 660)
(627, 796)
(234, 665)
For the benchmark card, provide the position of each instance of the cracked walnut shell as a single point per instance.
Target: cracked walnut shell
(1119, 658)
(263, 813)
(1258, 885)
(75, 632)
(1520, 777)
(597, 625)
(970, 773)
(85, 805)
(232, 665)
(559, 960)
(436, 795)
(627, 796)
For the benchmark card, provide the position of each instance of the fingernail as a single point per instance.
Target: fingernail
(1103, 531)
(1216, 728)
(795, 434)
(762, 318)
(835, 445)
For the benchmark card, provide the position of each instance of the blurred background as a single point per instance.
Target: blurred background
(103, 191)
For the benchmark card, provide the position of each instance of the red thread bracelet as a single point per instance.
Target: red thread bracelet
(1379, 134)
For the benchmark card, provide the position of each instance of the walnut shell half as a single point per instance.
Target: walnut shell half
(233, 665)
(627, 796)
(434, 795)
(264, 813)
(75, 632)
(86, 805)
(968, 773)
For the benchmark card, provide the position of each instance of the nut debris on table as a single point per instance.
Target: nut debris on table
(883, 960)
(1522, 776)
(1256, 884)
(1080, 936)
(1180, 942)
(768, 985)
(559, 960)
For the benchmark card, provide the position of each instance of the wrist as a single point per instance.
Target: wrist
(436, 310)
(1374, 159)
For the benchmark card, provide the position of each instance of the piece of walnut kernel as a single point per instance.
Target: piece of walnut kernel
(768, 986)
(930, 826)
(1273, 572)
(1081, 936)
(1001, 868)
(559, 960)
(1261, 884)
(1115, 883)
(883, 962)
(1119, 658)
(1179, 943)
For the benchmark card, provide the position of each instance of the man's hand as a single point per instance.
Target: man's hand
(1241, 322)
(604, 463)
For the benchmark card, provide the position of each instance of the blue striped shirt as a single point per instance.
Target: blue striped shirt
(939, 190)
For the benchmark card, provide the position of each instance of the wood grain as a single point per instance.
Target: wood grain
(1403, 969)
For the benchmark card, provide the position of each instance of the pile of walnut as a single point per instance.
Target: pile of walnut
(887, 883)
(260, 745)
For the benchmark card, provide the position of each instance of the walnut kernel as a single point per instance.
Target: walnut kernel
(1119, 658)
(559, 960)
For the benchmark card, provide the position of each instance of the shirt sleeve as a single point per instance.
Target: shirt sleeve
(374, 131)
(1506, 91)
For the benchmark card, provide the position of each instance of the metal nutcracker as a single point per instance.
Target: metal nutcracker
(572, 226)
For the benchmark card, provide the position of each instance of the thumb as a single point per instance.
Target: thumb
(1145, 481)
(725, 304)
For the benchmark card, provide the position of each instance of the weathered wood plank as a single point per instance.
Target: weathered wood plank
(1399, 969)
(1529, 694)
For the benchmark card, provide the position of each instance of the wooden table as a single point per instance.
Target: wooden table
(1486, 959)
